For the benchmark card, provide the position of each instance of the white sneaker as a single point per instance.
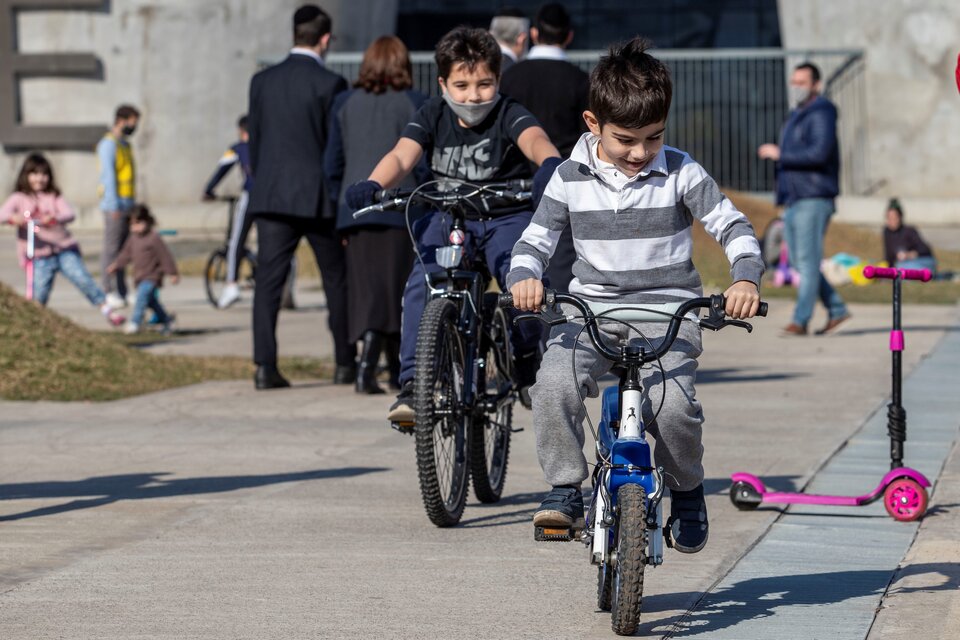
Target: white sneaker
(115, 301)
(130, 328)
(231, 293)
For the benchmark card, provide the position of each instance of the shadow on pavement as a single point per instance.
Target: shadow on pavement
(144, 486)
(758, 598)
(906, 329)
(715, 486)
(707, 376)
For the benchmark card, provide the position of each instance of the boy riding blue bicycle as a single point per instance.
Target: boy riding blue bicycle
(630, 202)
(472, 135)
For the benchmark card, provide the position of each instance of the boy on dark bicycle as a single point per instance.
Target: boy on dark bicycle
(630, 202)
(471, 134)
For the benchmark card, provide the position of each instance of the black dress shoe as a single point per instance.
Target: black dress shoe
(267, 377)
(345, 374)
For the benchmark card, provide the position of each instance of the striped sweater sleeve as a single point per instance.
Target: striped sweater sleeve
(702, 198)
(536, 245)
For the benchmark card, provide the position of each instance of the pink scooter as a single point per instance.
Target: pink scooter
(31, 245)
(904, 490)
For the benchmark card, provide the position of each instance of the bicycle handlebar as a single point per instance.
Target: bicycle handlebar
(390, 199)
(715, 303)
(870, 272)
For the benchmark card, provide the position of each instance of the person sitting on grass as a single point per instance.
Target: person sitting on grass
(151, 261)
(37, 198)
(630, 202)
(903, 247)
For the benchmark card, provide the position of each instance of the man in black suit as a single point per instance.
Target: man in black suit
(556, 93)
(289, 103)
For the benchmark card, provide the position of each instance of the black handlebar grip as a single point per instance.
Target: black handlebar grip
(762, 311)
(505, 300)
(385, 194)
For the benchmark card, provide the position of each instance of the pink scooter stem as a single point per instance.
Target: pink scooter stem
(31, 246)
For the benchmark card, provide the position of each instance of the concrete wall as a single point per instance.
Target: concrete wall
(185, 63)
(913, 108)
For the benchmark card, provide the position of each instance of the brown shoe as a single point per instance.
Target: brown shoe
(794, 329)
(833, 323)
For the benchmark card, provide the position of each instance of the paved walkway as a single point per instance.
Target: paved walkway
(215, 512)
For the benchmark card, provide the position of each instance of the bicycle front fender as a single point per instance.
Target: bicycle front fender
(627, 453)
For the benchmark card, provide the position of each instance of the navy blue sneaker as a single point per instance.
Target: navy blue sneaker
(688, 520)
(561, 509)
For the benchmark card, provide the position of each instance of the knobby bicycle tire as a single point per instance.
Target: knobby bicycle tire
(440, 424)
(490, 434)
(631, 540)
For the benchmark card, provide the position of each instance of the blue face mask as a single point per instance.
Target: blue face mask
(472, 113)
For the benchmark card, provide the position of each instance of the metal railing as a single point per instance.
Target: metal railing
(726, 103)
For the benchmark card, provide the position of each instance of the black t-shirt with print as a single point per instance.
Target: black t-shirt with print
(482, 154)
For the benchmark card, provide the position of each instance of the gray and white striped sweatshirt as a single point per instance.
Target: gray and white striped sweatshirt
(633, 237)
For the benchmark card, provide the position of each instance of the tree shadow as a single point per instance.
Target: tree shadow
(758, 598)
(103, 490)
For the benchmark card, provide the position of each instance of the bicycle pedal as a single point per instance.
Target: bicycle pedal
(403, 427)
(553, 534)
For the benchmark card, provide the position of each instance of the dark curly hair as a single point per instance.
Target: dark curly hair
(629, 87)
(469, 46)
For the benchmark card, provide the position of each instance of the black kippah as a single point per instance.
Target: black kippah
(306, 13)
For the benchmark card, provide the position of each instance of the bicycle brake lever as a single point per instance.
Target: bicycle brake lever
(715, 324)
(548, 315)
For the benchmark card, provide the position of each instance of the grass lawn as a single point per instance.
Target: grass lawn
(44, 356)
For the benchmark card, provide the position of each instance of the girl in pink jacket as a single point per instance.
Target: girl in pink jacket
(37, 198)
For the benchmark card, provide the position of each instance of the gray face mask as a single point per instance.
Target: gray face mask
(472, 113)
(799, 95)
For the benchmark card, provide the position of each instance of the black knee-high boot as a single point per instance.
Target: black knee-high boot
(391, 347)
(369, 357)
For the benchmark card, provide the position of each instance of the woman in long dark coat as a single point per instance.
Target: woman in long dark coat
(365, 124)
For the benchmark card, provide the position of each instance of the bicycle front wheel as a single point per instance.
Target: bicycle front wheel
(215, 275)
(440, 423)
(490, 432)
(631, 539)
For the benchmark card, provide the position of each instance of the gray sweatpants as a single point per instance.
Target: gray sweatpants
(115, 232)
(558, 415)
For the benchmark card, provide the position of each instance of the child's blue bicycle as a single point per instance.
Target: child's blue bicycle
(624, 523)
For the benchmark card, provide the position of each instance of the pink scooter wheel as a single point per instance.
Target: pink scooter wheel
(905, 500)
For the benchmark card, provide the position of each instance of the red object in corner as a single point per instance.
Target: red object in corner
(958, 73)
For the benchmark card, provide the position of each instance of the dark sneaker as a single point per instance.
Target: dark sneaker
(688, 520)
(525, 375)
(401, 412)
(561, 509)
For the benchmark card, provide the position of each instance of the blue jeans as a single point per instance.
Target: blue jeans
(147, 297)
(804, 225)
(495, 239)
(921, 262)
(71, 265)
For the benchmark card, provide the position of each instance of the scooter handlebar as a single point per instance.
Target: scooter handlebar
(870, 272)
